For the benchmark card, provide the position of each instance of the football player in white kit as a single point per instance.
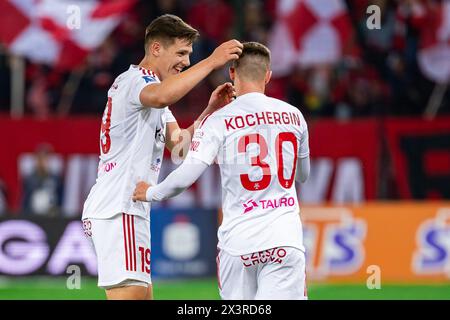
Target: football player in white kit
(261, 145)
(136, 126)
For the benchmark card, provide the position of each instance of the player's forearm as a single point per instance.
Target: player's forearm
(172, 89)
(176, 182)
(175, 87)
(167, 189)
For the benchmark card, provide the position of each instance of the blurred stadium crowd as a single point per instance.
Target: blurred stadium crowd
(380, 66)
(377, 75)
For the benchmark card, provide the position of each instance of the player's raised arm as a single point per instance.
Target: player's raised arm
(175, 183)
(178, 84)
(181, 138)
(207, 141)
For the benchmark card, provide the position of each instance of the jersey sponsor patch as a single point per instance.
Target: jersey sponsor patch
(249, 205)
(264, 204)
(274, 255)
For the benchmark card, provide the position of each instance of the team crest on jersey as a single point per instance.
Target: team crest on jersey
(432, 255)
(334, 242)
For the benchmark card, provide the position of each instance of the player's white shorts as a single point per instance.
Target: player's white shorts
(122, 245)
(274, 274)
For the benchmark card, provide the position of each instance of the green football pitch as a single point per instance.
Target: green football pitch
(206, 289)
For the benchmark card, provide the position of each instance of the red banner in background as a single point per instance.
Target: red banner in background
(67, 136)
(420, 152)
(344, 166)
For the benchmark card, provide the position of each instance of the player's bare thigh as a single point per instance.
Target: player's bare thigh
(130, 293)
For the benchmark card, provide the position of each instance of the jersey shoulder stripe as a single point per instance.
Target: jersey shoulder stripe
(148, 75)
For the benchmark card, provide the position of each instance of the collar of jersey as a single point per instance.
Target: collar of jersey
(148, 71)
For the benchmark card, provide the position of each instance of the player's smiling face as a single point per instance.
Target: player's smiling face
(175, 57)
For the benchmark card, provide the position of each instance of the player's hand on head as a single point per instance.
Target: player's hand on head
(227, 51)
(221, 96)
(140, 191)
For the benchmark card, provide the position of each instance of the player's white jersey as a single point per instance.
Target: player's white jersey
(257, 141)
(132, 140)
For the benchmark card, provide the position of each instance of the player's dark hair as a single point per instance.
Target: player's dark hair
(253, 62)
(167, 28)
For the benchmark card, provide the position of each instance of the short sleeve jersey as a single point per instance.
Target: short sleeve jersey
(132, 141)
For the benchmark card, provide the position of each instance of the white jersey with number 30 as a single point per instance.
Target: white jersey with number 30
(257, 141)
(131, 147)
